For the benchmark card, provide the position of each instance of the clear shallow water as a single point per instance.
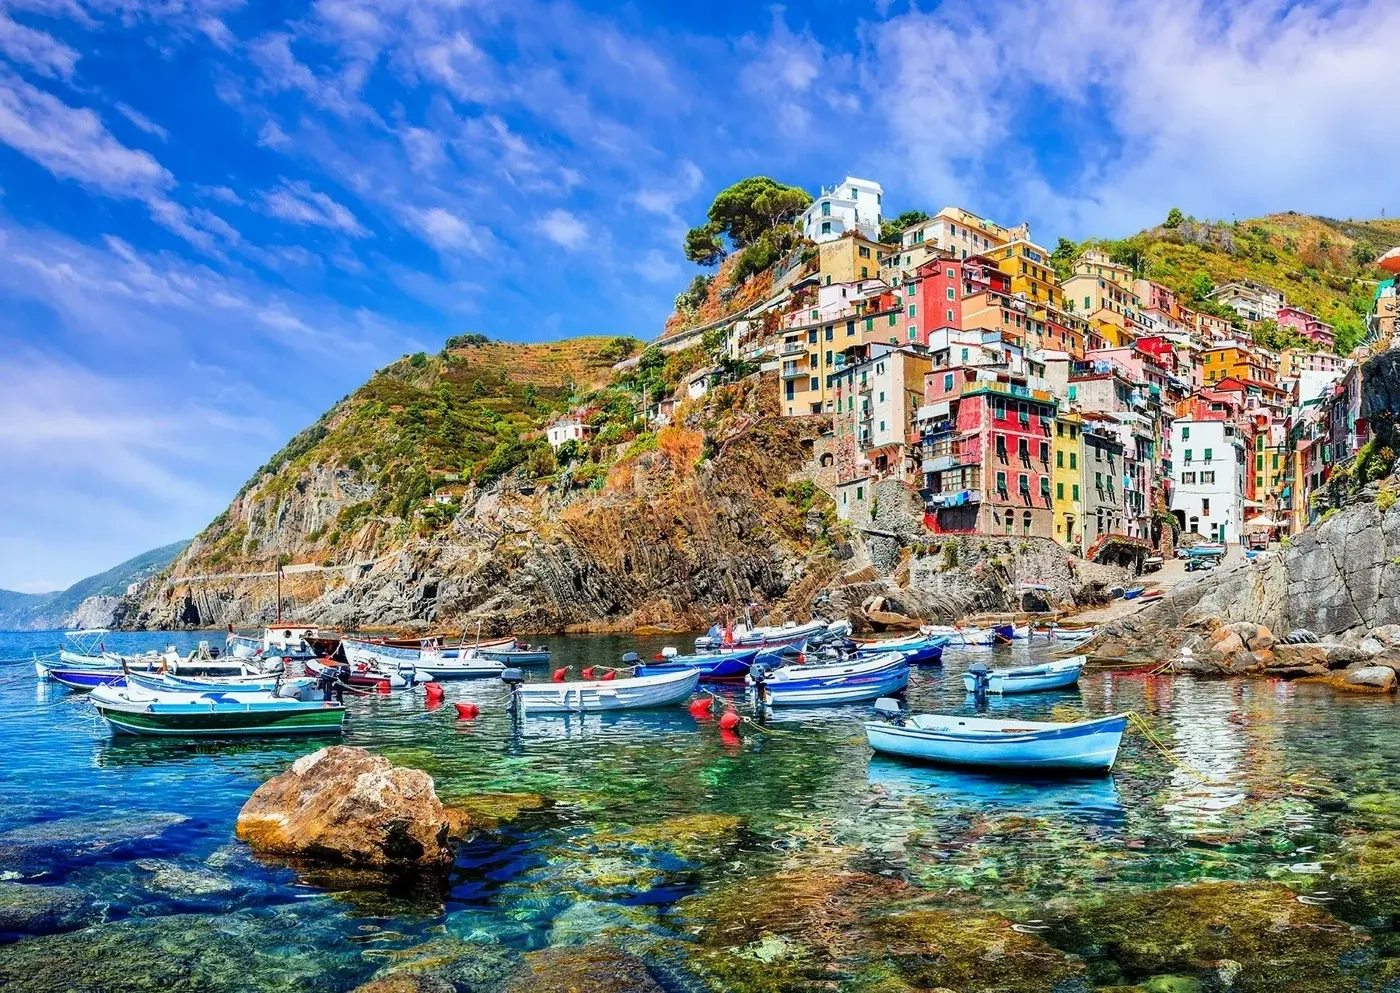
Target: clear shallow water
(145, 826)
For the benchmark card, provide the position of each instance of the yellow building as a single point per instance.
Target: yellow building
(1097, 263)
(849, 259)
(1108, 334)
(1028, 265)
(1102, 288)
(1067, 480)
(810, 349)
(1234, 361)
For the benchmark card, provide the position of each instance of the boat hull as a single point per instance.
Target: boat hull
(509, 656)
(1086, 747)
(596, 696)
(832, 685)
(301, 720)
(1030, 679)
(79, 677)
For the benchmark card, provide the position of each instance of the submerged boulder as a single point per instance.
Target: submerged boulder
(1260, 934)
(1366, 679)
(588, 969)
(27, 908)
(345, 806)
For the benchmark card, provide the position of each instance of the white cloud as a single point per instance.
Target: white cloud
(142, 121)
(39, 51)
(72, 143)
(663, 199)
(563, 228)
(298, 203)
(656, 267)
(445, 231)
(272, 136)
(223, 194)
(218, 32)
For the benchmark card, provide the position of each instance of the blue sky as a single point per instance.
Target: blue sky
(217, 218)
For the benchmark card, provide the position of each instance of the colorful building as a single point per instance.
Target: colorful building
(1309, 326)
(1028, 265)
(1067, 478)
(825, 321)
(876, 392)
(1101, 466)
(1254, 302)
(962, 233)
(987, 454)
(850, 258)
(1208, 497)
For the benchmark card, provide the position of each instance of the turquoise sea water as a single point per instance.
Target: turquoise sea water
(144, 827)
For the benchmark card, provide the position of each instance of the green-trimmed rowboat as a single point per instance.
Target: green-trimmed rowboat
(131, 710)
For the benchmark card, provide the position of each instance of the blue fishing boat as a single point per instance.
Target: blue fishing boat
(714, 667)
(1005, 744)
(923, 650)
(78, 677)
(850, 681)
(1052, 675)
(517, 655)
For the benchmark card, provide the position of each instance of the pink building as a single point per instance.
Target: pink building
(1310, 327)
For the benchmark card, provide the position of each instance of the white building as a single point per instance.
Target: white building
(1208, 470)
(1252, 301)
(570, 428)
(852, 206)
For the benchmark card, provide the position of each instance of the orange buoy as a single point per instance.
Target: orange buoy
(466, 711)
(383, 686)
(701, 706)
(609, 675)
(729, 721)
(559, 674)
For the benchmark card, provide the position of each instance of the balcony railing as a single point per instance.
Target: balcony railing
(795, 370)
(794, 348)
(954, 498)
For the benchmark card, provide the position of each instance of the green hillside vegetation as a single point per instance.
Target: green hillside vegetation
(19, 611)
(1321, 264)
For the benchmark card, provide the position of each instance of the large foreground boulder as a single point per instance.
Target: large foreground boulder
(345, 806)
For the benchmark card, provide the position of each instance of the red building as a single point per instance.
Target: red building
(987, 446)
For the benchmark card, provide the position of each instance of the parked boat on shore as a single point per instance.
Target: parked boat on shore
(1005, 744)
(790, 633)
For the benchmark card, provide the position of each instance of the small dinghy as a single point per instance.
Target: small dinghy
(366, 674)
(1024, 679)
(134, 710)
(962, 637)
(1132, 593)
(598, 695)
(516, 654)
(78, 677)
(1053, 632)
(168, 683)
(1005, 744)
(850, 681)
(468, 663)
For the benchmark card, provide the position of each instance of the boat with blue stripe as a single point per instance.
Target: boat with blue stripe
(850, 681)
(1005, 744)
(916, 649)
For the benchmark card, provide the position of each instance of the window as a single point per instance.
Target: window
(894, 319)
(913, 333)
(950, 294)
(850, 328)
(1045, 486)
(830, 333)
(870, 324)
(1205, 508)
(1074, 460)
(964, 351)
(1259, 463)
(882, 396)
(1059, 491)
(1098, 481)
(1023, 483)
(1075, 490)
(826, 209)
(826, 227)
(1207, 456)
(1207, 477)
(1001, 447)
(1060, 459)
(952, 274)
(950, 320)
(863, 252)
(1185, 434)
(913, 310)
(1001, 483)
(882, 425)
(860, 492)
(947, 382)
(1023, 450)
(1187, 460)
(828, 357)
(1188, 479)
(1045, 452)
(864, 272)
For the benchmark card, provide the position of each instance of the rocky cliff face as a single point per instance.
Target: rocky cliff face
(1339, 579)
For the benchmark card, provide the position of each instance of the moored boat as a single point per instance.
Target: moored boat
(850, 681)
(920, 650)
(78, 677)
(714, 667)
(597, 695)
(166, 682)
(1051, 675)
(516, 654)
(133, 710)
(371, 675)
(960, 636)
(463, 664)
(1005, 744)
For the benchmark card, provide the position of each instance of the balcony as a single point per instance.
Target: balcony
(953, 498)
(943, 461)
(795, 369)
(794, 348)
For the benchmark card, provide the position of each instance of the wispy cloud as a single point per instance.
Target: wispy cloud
(30, 47)
(142, 121)
(298, 203)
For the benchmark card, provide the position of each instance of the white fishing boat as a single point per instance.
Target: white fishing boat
(597, 695)
(962, 636)
(464, 664)
(849, 681)
(750, 635)
(1006, 744)
(1050, 675)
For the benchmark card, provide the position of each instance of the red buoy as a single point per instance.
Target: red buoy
(587, 673)
(433, 690)
(466, 711)
(701, 706)
(729, 721)
(729, 738)
(609, 675)
(383, 686)
(559, 674)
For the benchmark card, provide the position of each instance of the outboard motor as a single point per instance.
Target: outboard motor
(891, 710)
(630, 658)
(758, 675)
(981, 680)
(513, 677)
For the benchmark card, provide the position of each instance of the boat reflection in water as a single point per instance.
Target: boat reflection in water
(1090, 801)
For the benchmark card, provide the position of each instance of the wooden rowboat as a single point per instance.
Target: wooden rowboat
(132, 710)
